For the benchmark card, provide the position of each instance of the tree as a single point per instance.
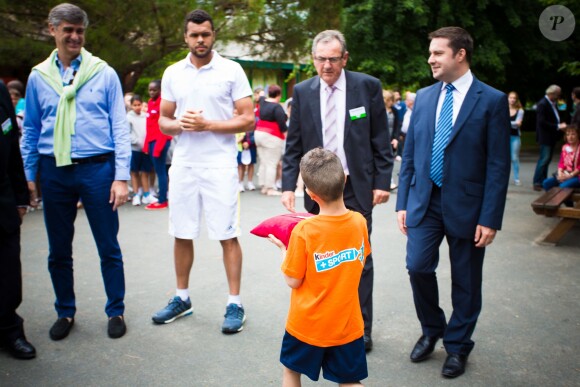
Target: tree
(133, 35)
(510, 52)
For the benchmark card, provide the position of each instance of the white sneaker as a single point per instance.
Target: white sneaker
(517, 182)
(136, 200)
(251, 186)
(299, 193)
(241, 187)
(149, 199)
(278, 184)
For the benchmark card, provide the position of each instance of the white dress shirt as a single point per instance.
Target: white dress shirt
(462, 85)
(340, 100)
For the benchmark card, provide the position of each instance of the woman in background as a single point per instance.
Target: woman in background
(269, 135)
(516, 118)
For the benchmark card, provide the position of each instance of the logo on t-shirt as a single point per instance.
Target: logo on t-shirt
(330, 260)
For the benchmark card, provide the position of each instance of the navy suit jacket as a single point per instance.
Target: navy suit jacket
(476, 163)
(366, 140)
(13, 187)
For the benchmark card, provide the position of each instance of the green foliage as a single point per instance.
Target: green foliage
(387, 39)
(572, 68)
(510, 53)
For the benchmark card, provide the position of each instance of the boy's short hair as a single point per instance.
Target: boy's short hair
(136, 97)
(323, 174)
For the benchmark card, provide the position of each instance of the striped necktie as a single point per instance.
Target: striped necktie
(442, 132)
(330, 130)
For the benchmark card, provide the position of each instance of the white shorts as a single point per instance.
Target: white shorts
(211, 191)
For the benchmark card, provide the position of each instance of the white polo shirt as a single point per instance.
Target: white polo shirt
(212, 88)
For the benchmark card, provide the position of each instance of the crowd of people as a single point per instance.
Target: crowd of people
(334, 144)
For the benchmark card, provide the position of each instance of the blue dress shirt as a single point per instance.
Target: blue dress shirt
(100, 126)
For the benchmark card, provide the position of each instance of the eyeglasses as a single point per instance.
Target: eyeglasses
(332, 60)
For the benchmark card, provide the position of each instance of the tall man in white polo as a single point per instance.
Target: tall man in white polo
(199, 94)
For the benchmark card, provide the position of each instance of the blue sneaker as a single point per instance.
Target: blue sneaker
(234, 319)
(175, 309)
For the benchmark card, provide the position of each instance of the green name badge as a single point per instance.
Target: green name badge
(6, 126)
(357, 113)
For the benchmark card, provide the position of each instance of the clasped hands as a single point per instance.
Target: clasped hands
(563, 176)
(193, 120)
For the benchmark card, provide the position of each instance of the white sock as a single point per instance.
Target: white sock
(234, 300)
(182, 293)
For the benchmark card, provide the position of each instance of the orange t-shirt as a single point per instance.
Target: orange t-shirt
(329, 253)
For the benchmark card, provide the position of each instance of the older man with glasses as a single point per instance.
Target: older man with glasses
(342, 111)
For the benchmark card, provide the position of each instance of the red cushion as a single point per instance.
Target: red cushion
(280, 226)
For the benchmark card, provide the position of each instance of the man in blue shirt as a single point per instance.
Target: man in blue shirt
(76, 138)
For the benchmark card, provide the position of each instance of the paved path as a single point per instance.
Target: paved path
(526, 335)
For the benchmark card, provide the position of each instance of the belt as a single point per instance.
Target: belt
(93, 159)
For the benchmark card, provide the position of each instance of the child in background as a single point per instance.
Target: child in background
(323, 266)
(245, 141)
(568, 175)
(157, 145)
(246, 164)
(140, 162)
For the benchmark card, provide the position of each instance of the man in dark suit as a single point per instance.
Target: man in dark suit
(548, 132)
(344, 112)
(452, 184)
(13, 203)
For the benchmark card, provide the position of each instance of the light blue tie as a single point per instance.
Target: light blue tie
(442, 132)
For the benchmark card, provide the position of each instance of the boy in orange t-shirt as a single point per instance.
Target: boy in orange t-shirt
(323, 266)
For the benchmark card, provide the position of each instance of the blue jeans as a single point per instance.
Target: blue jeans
(552, 182)
(62, 187)
(160, 169)
(515, 145)
(541, 172)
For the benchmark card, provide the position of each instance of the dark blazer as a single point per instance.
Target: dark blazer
(476, 163)
(547, 132)
(13, 187)
(366, 140)
(397, 123)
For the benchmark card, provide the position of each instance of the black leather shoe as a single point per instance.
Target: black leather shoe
(117, 327)
(368, 342)
(454, 365)
(21, 349)
(424, 347)
(61, 328)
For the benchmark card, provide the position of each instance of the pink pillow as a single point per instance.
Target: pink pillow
(280, 226)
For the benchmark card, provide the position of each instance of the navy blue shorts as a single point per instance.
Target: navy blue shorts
(345, 363)
(252, 152)
(140, 162)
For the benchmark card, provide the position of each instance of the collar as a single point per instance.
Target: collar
(75, 63)
(340, 83)
(216, 58)
(461, 84)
